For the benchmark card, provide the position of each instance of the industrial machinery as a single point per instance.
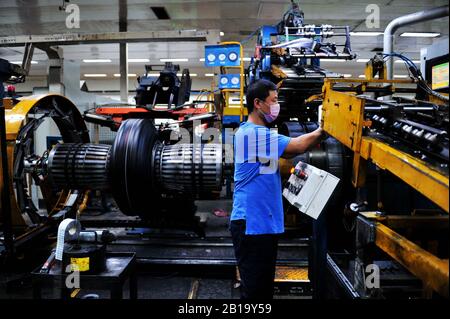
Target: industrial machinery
(289, 55)
(389, 141)
(166, 89)
(390, 152)
(24, 222)
(403, 141)
(157, 97)
(148, 173)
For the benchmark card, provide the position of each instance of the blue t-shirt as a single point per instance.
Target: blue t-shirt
(257, 191)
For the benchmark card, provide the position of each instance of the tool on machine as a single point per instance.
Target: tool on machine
(83, 251)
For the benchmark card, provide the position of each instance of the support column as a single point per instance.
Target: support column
(123, 27)
(124, 72)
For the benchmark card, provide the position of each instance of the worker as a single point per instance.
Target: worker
(257, 218)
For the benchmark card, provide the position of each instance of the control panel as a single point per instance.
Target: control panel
(309, 189)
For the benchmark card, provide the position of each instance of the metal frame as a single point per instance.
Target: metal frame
(17, 127)
(112, 37)
(432, 270)
(342, 118)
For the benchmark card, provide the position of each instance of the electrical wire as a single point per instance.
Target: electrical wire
(250, 36)
(412, 69)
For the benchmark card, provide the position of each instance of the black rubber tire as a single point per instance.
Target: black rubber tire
(131, 168)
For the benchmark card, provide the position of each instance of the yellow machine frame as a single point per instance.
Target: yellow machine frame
(15, 118)
(343, 118)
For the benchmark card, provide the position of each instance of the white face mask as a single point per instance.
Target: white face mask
(274, 111)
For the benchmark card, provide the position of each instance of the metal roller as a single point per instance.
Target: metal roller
(143, 168)
(139, 169)
(189, 168)
(79, 166)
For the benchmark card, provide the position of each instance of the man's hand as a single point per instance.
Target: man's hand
(302, 144)
(323, 135)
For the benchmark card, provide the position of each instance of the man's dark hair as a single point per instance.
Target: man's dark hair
(258, 90)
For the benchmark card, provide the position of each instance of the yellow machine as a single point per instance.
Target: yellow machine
(347, 118)
(22, 118)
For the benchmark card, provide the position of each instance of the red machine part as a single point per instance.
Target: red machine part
(119, 113)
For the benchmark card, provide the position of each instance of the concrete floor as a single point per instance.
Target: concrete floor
(160, 282)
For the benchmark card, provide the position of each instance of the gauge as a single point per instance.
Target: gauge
(211, 57)
(233, 56)
(235, 80)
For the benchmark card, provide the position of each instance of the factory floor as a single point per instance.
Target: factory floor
(150, 286)
(161, 281)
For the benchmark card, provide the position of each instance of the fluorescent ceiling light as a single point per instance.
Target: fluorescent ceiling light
(413, 61)
(221, 34)
(20, 62)
(365, 34)
(362, 76)
(363, 60)
(138, 60)
(347, 75)
(209, 74)
(174, 60)
(95, 75)
(202, 59)
(420, 34)
(97, 60)
(400, 76)
(129, 74)
(246, 59)
(191, 74)
(332, 60)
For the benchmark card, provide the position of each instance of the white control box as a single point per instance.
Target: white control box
(309, 189)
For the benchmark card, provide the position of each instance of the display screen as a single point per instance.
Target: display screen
(439, 76)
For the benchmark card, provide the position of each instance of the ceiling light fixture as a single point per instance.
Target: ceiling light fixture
(95, 75)
(174, 60)
(138, 60)
(129, 75)
(365, 34)
(332, 60)
(420, 34)
(20, 62)
(97, 60)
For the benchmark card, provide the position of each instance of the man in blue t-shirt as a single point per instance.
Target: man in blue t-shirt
(257, 218)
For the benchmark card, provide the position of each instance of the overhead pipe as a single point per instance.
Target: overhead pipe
(413, 18)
